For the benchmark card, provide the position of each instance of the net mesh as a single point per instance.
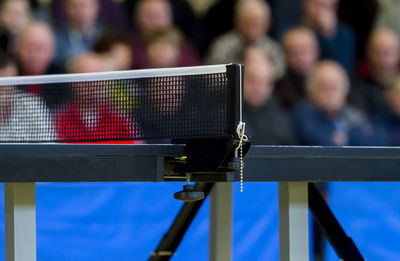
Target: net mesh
(118, 109)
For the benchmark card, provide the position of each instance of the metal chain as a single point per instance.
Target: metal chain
(240, 130)
(241, 167)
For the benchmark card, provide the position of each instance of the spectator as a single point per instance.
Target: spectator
(110, 12)
(80, 30)
(23, 116)
(14, 16)
(35, 50)
(266, 122)
(89, 116)
(163, 48)
(336, 40)
(285, 14)
(151, 16)
(325, 119)
(383, 55)
(115, 51)
(183, 17)
(252, 21)
(301, 51)
(382, 65)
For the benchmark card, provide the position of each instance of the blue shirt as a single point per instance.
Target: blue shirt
(315, 128)
(72, 43)
(341, 47)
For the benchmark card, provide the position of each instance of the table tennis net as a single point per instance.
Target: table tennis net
(117, 106)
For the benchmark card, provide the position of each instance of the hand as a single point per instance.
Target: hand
(122, 56)
(118, 58)
(339, 138)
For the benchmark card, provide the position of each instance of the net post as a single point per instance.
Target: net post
(235, 76)
(20, 221)
(293, 221)
(221, 222)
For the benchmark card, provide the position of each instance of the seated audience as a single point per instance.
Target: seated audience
(382, 57)
(286, 14)
(252, 21)
(23, 116)
(301, 51)
(115, 51)
(336, 40)
(151, 16)
(14, 16)
(81, 29)
(325, 119)
(265, 122)
(90, 116)
(162, 48)
(183, 16)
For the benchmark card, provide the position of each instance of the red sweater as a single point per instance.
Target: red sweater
(107, 128)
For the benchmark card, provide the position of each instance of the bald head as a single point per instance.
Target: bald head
(328, 86)
(383, 53)
(35, 48)
(301, 49)
(252, 19)
(383, 36)
(258, 77)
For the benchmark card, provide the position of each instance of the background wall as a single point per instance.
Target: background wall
(125, 221)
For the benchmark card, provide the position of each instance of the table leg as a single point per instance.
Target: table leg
(221, 222)
(293, 221)
(20, 221)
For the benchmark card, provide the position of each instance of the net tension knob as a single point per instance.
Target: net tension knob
(235, 161)
(188, 194)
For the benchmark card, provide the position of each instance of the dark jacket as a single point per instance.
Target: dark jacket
(367, 94)
(290, 89)
(390, 123)
(268, 125)
(315, 128)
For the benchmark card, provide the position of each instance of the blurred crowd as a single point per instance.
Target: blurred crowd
(317, 72)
